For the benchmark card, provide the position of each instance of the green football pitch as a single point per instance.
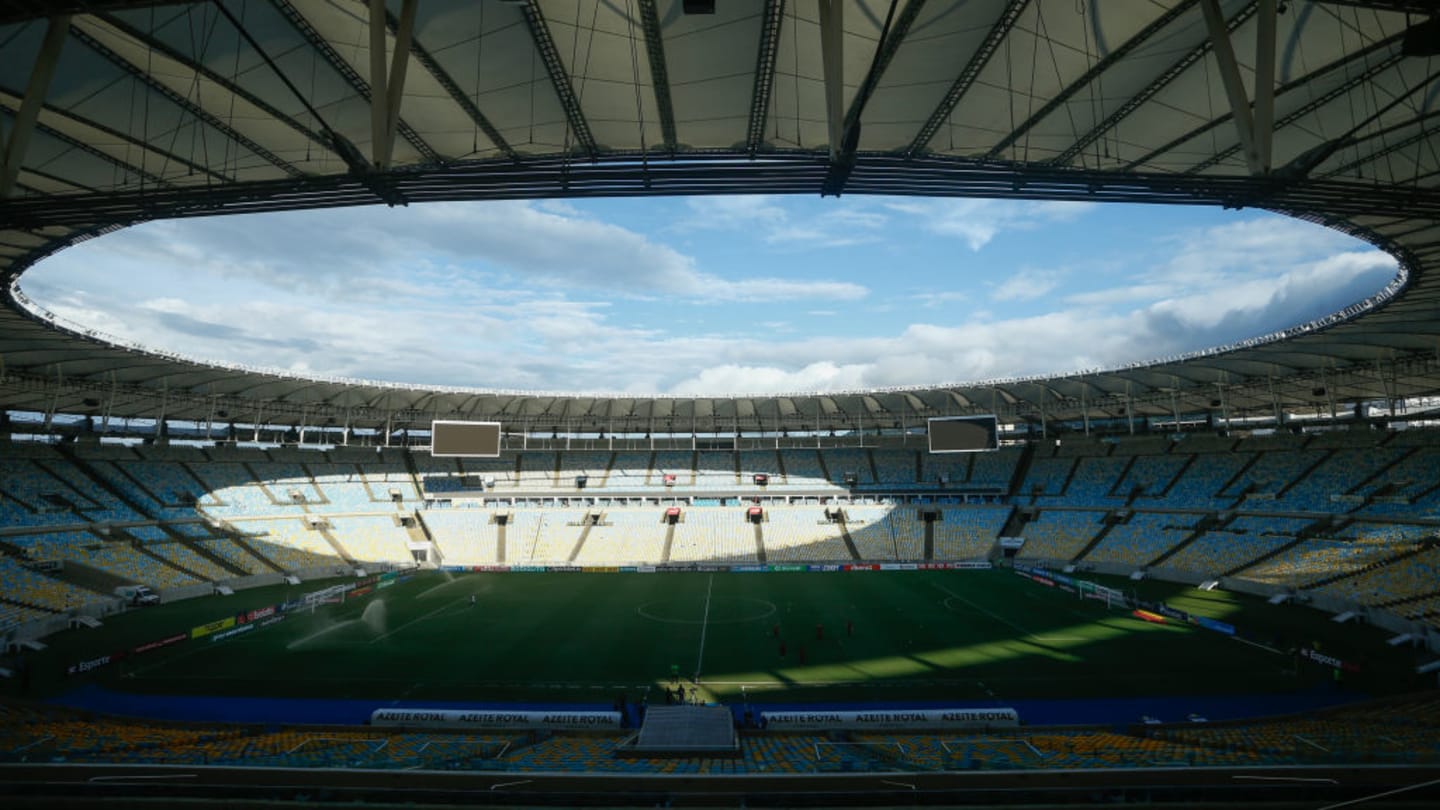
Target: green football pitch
(911, 635)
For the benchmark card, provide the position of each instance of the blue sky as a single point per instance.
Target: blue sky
(718, 295)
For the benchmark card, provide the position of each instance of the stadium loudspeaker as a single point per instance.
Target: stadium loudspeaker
(1318, 391)
(699, 6)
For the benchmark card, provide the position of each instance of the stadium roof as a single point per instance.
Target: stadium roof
(116, 113)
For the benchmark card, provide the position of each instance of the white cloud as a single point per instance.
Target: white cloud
(842, 223)
(978, 221)
(549, 297)
(1026, 285)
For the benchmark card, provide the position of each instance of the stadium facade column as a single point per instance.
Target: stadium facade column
(1175, 401)
(1129, 408)
(12, 151)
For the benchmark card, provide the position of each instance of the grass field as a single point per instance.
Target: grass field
(923, 635)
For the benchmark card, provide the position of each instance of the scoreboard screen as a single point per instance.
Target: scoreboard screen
(964, 434)
(466, 439)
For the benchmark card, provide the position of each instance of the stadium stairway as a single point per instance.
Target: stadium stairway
(239, 539)
(205, 554)
(845, 535)
(824, 468)
(1324, 457)
(340, 550)
(1111, 521)
(1164, 494)
(264, 485)
(1205, 524)
(670, 541)
(88, 577)
(166, 563)
(759, 544)
(1381, 563)
(1323, 525)
(589, 521)
(1134, 492)
(68, 453)
(1236, 478)
(1379, 475)
(420, 533)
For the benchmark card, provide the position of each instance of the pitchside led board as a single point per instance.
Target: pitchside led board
(964, 434)
(465, 439)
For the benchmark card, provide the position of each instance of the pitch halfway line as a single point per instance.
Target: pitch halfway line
(704, 625)
(443, 607)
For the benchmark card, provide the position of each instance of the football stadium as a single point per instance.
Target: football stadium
(1199, 580)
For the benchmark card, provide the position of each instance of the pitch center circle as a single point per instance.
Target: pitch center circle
(723, 610)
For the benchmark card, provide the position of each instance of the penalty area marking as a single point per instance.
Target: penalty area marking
(765, 609)
(997, 617)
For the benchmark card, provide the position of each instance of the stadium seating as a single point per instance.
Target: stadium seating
(1141, 539)
(630, 536)
(803, 469)
(1047, 477)
(1095, 481)
(706, 535)
(21, 584)
(1399, 731)
(715, 470)
(92, 503)
(1339, 473)
(372, 538)
(1059, 534)
(968, 533)
(465, 536)
(855, 461)
(233, 554)
(1200, 484)
(183, 556)
(1151, 476)
(1272, 472)
(1414, 575)
(1243, 540)
(800, 535)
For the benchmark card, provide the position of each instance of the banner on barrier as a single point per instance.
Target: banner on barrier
(213, 627)
(253, 615)
(1328, 660)
(161, 642)
(82, 667)
(232, 632)
(1153, 618)
(455, 718)
(899, 719)
(1211, 624)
